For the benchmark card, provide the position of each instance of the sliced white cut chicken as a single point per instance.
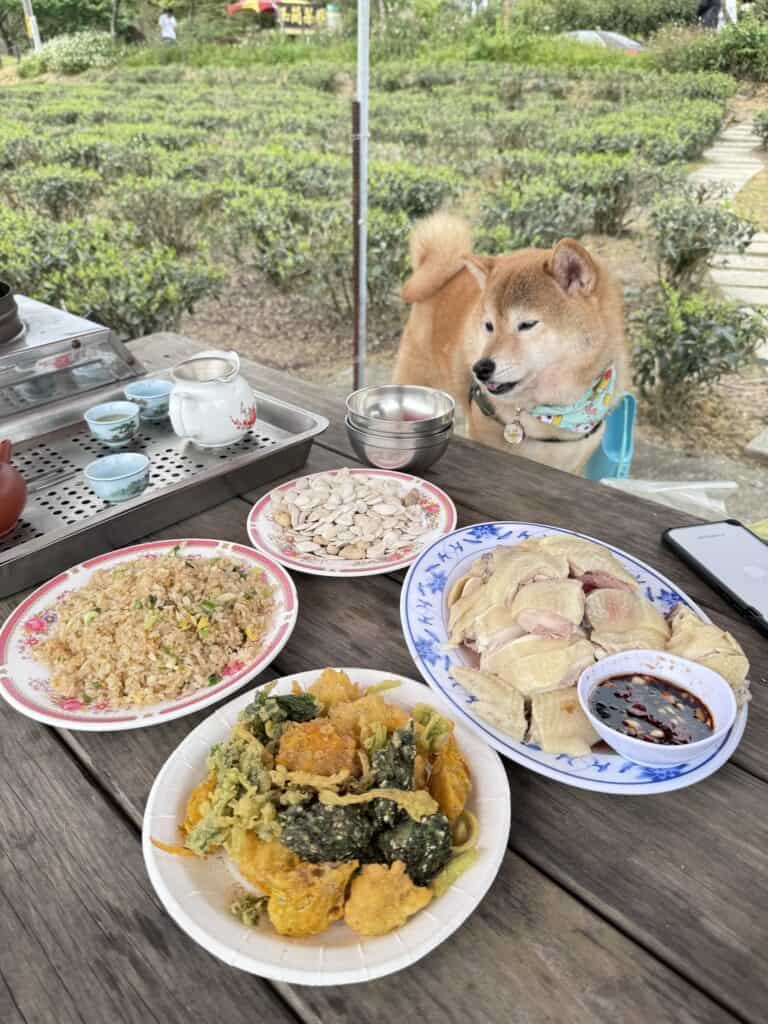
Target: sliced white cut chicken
(549, 607)
(495, 627)
(536, 664)
(479, 571)
(501, 705)
(623, 621)
(709, 645)
(591, 563)
(559, 726)
(521, 567)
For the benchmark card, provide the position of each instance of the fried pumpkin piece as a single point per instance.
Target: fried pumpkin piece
(196, 802)
(257, 860)
(382, 898)
(316, 747)
(310, 898)
(333, 686)
(450, 783)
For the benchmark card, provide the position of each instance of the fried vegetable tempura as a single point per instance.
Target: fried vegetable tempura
(196, 801)
(309, 899)
(450, 783)
(362, 718)
(317, 748)
(382, 898)
(257, 860)
(334, 687)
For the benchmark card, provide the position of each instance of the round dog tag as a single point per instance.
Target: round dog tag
(514, 433)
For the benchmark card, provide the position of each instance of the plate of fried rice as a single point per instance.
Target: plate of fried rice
(145, 634)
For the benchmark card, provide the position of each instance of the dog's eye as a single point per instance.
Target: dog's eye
(489, 326)
(527, 325)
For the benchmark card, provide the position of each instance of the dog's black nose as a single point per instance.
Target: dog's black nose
(484, 369)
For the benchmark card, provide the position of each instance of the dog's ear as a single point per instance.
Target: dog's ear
(479, 267)
(572, 267)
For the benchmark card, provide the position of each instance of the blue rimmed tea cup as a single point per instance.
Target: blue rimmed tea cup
(115, 424)
(151, 396)
(118, 477)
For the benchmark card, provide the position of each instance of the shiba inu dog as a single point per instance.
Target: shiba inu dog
(531, 345)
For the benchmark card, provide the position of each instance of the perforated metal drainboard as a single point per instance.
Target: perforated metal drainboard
(60, 502)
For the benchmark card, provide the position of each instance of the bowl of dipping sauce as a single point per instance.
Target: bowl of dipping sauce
(151, 396)
(118, 477)
(655, 708)
(115, 424)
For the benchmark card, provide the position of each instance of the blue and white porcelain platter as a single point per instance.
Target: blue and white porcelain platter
(423, 613)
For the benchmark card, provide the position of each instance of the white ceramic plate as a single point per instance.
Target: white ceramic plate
(196, 892)
(423, 614)
(277, 544)
(25, 683)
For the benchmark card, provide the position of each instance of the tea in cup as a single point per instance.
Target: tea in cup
(115, 424)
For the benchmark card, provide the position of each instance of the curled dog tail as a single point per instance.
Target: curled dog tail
(438, 246)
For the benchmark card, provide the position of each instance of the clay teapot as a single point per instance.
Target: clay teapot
(13, 491)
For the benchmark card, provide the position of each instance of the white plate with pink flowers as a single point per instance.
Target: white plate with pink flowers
(350, 522)
(25, 680)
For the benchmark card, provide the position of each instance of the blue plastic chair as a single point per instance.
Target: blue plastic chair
(613, 458)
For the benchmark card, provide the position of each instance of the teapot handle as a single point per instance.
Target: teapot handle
(185, 397)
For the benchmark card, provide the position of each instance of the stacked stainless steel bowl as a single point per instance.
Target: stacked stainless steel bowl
(399, 426)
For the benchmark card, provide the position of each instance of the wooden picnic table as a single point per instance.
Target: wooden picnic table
(606, 908)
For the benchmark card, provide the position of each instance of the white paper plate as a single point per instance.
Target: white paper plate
(197, 892)
(424, 617)
(25, 682)
(267, 537)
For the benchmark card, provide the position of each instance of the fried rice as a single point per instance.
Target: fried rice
(157, 627)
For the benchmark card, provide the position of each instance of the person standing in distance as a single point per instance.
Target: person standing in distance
(167, 24)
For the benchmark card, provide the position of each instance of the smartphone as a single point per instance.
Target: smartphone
(731, 559)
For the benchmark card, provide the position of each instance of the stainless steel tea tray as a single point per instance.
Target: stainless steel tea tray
(64, 522)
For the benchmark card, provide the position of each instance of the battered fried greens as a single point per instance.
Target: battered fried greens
(317, 832)
(241, 794)
(248, 908)
(423, 846)
(393, 768)
(265, 716)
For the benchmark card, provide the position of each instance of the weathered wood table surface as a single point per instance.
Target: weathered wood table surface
(606, 908)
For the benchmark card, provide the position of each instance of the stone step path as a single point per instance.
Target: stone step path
(732, 161)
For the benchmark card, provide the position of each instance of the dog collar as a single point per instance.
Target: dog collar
(581, 417)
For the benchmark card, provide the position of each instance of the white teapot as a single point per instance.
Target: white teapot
(211, 404)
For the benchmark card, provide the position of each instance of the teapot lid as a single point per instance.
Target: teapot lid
(208, 367)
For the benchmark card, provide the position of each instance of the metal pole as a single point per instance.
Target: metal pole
(361, 233)
(31, 22)
(356, 381)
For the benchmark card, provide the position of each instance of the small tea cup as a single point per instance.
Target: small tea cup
(151, 396)
(118, 477)
(115, 424)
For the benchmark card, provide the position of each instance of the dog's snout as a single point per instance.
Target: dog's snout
(484, 369)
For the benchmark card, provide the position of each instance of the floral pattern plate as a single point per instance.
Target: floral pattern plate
(265, 535)
(197, 892)
(423, 614)
(25, 682)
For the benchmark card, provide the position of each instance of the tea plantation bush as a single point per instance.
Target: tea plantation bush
(682, 342)
(740, 50)
(688, 231)
(131, 194)
(71, 54)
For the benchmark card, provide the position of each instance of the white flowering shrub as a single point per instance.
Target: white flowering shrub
(69, 55)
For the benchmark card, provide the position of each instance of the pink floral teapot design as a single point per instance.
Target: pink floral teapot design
(211, 404)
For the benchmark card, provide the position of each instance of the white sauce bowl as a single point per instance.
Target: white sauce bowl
(708, 686)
